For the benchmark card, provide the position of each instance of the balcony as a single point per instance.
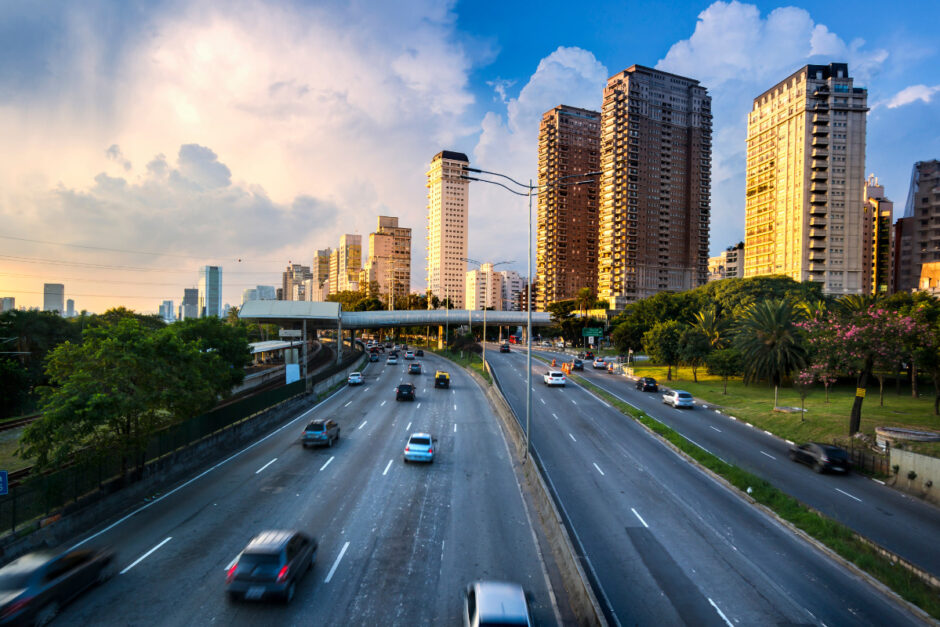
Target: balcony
(820, 130)
(820, 140)
(820, 175)
(818, 198)
(818, 187)
(819, 153)
(818, 210)
(817, 267)
(820, 118)
(817, 222)
(815, 256)
(817, 242)
(820, 164)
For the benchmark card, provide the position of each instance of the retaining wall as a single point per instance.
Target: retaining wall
(926, 484)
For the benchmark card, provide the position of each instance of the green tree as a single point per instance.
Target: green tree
(14, 386)
(661, 343)
(724, 363)
(694, 347)
(628, 335)
(712, 326)
(117, 314)
(770, 343)
(214, 337)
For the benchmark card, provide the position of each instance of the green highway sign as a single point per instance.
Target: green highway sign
(592, 332)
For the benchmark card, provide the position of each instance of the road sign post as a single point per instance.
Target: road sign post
(592, 332)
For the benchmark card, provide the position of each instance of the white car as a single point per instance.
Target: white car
(409, 354)
(599, 363)
(392, 360)
(495, 603)
(554, 377)
(678, 399)
(355, 378)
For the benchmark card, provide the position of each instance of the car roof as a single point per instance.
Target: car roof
(419, 435)
(406, 385)
(681, 392)
(269, 541)
(355, 373)
(555, 373)
(500, 599)
(28, 563)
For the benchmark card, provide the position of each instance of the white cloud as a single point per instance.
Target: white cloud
(912, 94)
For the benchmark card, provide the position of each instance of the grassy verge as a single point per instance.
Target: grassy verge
(9, 442)
(467, 360)
(833, 534)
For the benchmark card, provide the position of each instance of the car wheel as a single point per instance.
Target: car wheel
(291, 591)
(329, 443)
(817, 467)
(792, 455)
(46, 613)
(337, 434)
(106, 572)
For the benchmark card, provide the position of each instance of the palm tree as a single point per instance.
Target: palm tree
(712, 327)
(770, 343)
(856, 303)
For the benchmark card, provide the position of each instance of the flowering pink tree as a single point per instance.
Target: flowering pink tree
(866, 342)
(804, 383)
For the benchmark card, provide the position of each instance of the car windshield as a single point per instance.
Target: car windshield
(421, 441)
(315, 426)
(834, 453)
(16, 580)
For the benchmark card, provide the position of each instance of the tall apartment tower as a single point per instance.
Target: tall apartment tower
(349, 262)
(655, 187)
(513, 284)
(53, 297)
(878, 265)
(189, 308)
(388, 264)
(917, 233)
(806, 179)
(292, 281)
(484, 289)
(8, 303)
(566, 253)
(320, 275)
(210, 291)
(447, 226)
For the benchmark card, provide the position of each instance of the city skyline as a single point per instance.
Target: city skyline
(146, 194)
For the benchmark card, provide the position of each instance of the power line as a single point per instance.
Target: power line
(117, 250)
(108, 281)
(80, 264)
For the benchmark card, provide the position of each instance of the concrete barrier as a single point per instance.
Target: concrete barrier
(926, 474)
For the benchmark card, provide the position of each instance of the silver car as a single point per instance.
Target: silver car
(679, 399)
(495, 603)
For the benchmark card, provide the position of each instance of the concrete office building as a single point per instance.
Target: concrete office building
(877, 229)
(167, 311)
(318, 286)
(334, 272)
(513, 284)
(292, 281)
(388, 264)
(484, 288)
(805, 180)
(53, 297)
(210, 291)
(917, 233)
(566, 242)
(448, 210)
(7, 303)
(655, 185)
(189, 308)
(70, 308)
(349, 262)
(729, 264)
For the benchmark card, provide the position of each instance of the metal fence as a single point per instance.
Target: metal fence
(868, 461)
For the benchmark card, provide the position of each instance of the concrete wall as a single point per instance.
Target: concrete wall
(926, 484)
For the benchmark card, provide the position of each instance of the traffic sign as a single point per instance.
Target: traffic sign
(592, 332)
(4, 484)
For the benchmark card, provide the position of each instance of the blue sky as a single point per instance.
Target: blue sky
(155, 137)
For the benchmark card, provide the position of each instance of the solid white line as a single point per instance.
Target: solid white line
(455, 427)
(327, 462)
(556, 417)
(383, 404)
(878, 481)
(418, 406)
(768, 455)
(637, 514)
(715, 428)
(604, 404)
(849, 495)
(542, 400)
(572, 437)
(266, 465)
(336, 563)
(362, 425)
(599, 470)
(385, 472)
(408, 427)
(720, 613)
(146, 555)
(348, 404)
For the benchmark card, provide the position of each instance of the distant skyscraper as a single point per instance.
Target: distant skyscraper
(266, 292)
(210, 291)
(656, 133)
(878, 266)
(320, 276)
(334, 272)
(389, 260)
(292, 281)
(350, 262)
(53, 297)
(483, 288)
(917, 234)
(190, 305)
(447, 226)
(248, 294)
(70, 308)
(513, 284)
(566, 256)
(167, 311)
(805, 180)
(727, 265)
(7, 303)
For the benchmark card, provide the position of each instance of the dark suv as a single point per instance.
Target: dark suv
(821, 457)
(504, 348)
(270, 566)
(647, 384)
(405, 392)
(320, 432)
(577, 364)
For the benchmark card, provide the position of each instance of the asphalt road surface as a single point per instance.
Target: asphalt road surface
(398, 542)
(665, 542)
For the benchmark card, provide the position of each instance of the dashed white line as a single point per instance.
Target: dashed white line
(574, 401)
(455, 427)
(265, 466)
(599, 470)
(768, 455)
(336, 563)
(362, 425)
(555, 416)
(408, 427)
(383, 404)
(367, 389)
(348, 404)
(715, 428)
(418, 406)
(572, 438)
(542, 400)
(146, 555)
(327, 462)
(389, 465)
(637, 514)
(878, 481)
(455, 406)
(849, 495)
(720, 613)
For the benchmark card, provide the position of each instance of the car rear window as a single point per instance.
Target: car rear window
(421, 441)
(835, 453)
(260, 563)
(315, 426)
(684, 395)
(14, 580)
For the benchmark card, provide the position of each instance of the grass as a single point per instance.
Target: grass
(834, 535)
(9, 442)
(467, 360)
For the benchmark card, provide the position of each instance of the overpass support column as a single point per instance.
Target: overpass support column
(339, 340)
(440, 337)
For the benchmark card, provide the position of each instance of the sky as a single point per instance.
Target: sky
(142, 140)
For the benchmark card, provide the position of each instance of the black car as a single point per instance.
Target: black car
(589, 355)
(374, 357)
(419, 353)
(577, 364)
(320, 431)
(270, 566)
(405, 392)
(34, 587)
(647, 384)
(414, 368)
(504, 348)
(821, 457)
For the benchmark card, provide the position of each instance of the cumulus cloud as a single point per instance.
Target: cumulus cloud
(113, 153)
(912, 94)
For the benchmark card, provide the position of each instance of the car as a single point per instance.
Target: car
(374, 357)
(589, 355)
(821, 457)
(270, 566)
(409, 355)
(495, 603)
(35, 586)
(354, 378)
(504, 348)
(599, 363)
(392, 359)
(577, 364)
(554, 377)
(320, 431)
(678, 398)
(419, 353)
(405, 392)
(647, 384)
(547, 344)
(441, 379)
(420, 448)
(414, 368)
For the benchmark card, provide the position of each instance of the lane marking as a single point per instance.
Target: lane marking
(849, 495)
(266, 465)
(542, 400)
(572, 437)
(146, 555)
(455, 427)
(768, 455)
(362, 425)
(336, 563)
(348, 404)
(722, 614)
(605, 404)
(385, 472)
(367, 389)
(878, 481)
(327, 462)
(455, 406)
(715, 428)
(637, 514)
(556, 417)
(408, 427)
(599, 470)
(419, 406)
(383, 404)
(574, 401)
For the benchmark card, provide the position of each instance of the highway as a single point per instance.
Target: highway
(665, 542)
(398, 542)
(894, 520)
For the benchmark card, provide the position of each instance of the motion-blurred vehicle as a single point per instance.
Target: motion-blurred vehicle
(647, 384)
(419, 353)
(420, 448)
(405, 392)
(588, 355)
(374, 357)
(495, 603)
(441, 379)
(504, 348)
(679, 399)
(409, 355)
(821, 457)
(270, 566)
(320, 431)
(414, 368)
(34, 587)
(577, 364)
(354, 378)
(554, 378)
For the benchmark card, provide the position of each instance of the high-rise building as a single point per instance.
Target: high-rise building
(512, 285)
(266, 292)
(319, 283)
(292, 281)
(566, 249)
(167, 311)
(53, 297)
(447, 226)
(655, 185)
(210, 291)
(484, 288)
(7, 303)
(917, 233)
(878, 265)
(70, 308)
(189, 308)
(248, 294)
(388, 264)
(349, 262)
(805, 180)
(334, 272)
(729, 264)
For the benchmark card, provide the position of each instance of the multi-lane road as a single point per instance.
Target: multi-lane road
(666, 543)
(397, 542)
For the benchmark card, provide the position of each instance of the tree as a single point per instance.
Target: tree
(712, 326)
(232, 317)
(117, 314)
(724, 363)
(770, 342)
(14, 386)
(694, 347)
(628, 336)
(212, 336)
(661, 343)
(804, 383)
